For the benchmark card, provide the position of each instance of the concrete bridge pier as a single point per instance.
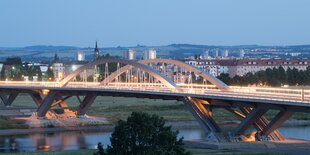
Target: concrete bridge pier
(252, 115)
(204, 118)
(7, 98)
(50, 102)
(56, 99)
(85, 104)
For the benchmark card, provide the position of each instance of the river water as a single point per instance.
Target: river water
(88, 140)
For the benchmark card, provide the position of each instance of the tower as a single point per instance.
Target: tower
(56, 58)
(96, 68)
(96, 52)
(150, 54)
(129, 54)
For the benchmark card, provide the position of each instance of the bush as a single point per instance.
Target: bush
(143, 134)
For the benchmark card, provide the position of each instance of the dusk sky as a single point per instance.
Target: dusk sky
(157, 22)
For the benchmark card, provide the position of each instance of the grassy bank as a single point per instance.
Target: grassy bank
(193, 151)
(8, 123)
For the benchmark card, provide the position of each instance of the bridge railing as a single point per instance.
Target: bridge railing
(281, 94)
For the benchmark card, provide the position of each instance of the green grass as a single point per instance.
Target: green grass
(193, 151)
(116, 108)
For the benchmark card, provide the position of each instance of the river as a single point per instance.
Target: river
(88, 140)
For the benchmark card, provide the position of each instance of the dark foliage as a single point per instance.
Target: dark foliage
(270, 77)
(144, 134)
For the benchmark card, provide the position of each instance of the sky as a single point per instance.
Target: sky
(153, 22)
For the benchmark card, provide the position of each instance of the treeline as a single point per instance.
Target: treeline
(17, 71)
(270, 77)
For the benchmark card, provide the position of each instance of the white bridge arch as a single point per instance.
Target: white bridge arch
(218, 83)
(163, 79)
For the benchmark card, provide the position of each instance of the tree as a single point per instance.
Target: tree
(100, 151)
(2, 74)
(14, 72)
(262, 78)
(37, 72)
(292, 76)
(14, 60)
(112, 67)
(144, 134)
(307, 74)
(271, 77)
(50, 73)
(225, 78)
(281, 75)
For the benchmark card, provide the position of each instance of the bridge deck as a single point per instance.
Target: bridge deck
(277, 96)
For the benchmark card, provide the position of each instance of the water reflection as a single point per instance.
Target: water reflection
(88, 140)
(53, 142)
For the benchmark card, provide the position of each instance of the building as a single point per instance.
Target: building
(1, 65)
(241, 54)
(80, 56)
(150, 54)
(241, 67)
(44, 68)
(206, 55)
(129, 54)
(59, 71)
(209, 65)
(216, 53)
(225, 53)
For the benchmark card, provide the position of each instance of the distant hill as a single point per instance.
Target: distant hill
(49, 48)
(38, 52)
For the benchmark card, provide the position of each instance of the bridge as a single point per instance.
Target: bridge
(152, 79)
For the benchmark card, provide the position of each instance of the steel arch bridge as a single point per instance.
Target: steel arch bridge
(248, 103)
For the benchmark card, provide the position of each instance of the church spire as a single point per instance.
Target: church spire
(96, 52)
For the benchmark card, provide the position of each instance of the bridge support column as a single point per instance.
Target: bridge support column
(37, 98)
(204, 118)
(253, 116)
(46, 104)
(261, 123)
(278, 120)
(51, 100)
(8, 99)
(62, 103)
(86, 103)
